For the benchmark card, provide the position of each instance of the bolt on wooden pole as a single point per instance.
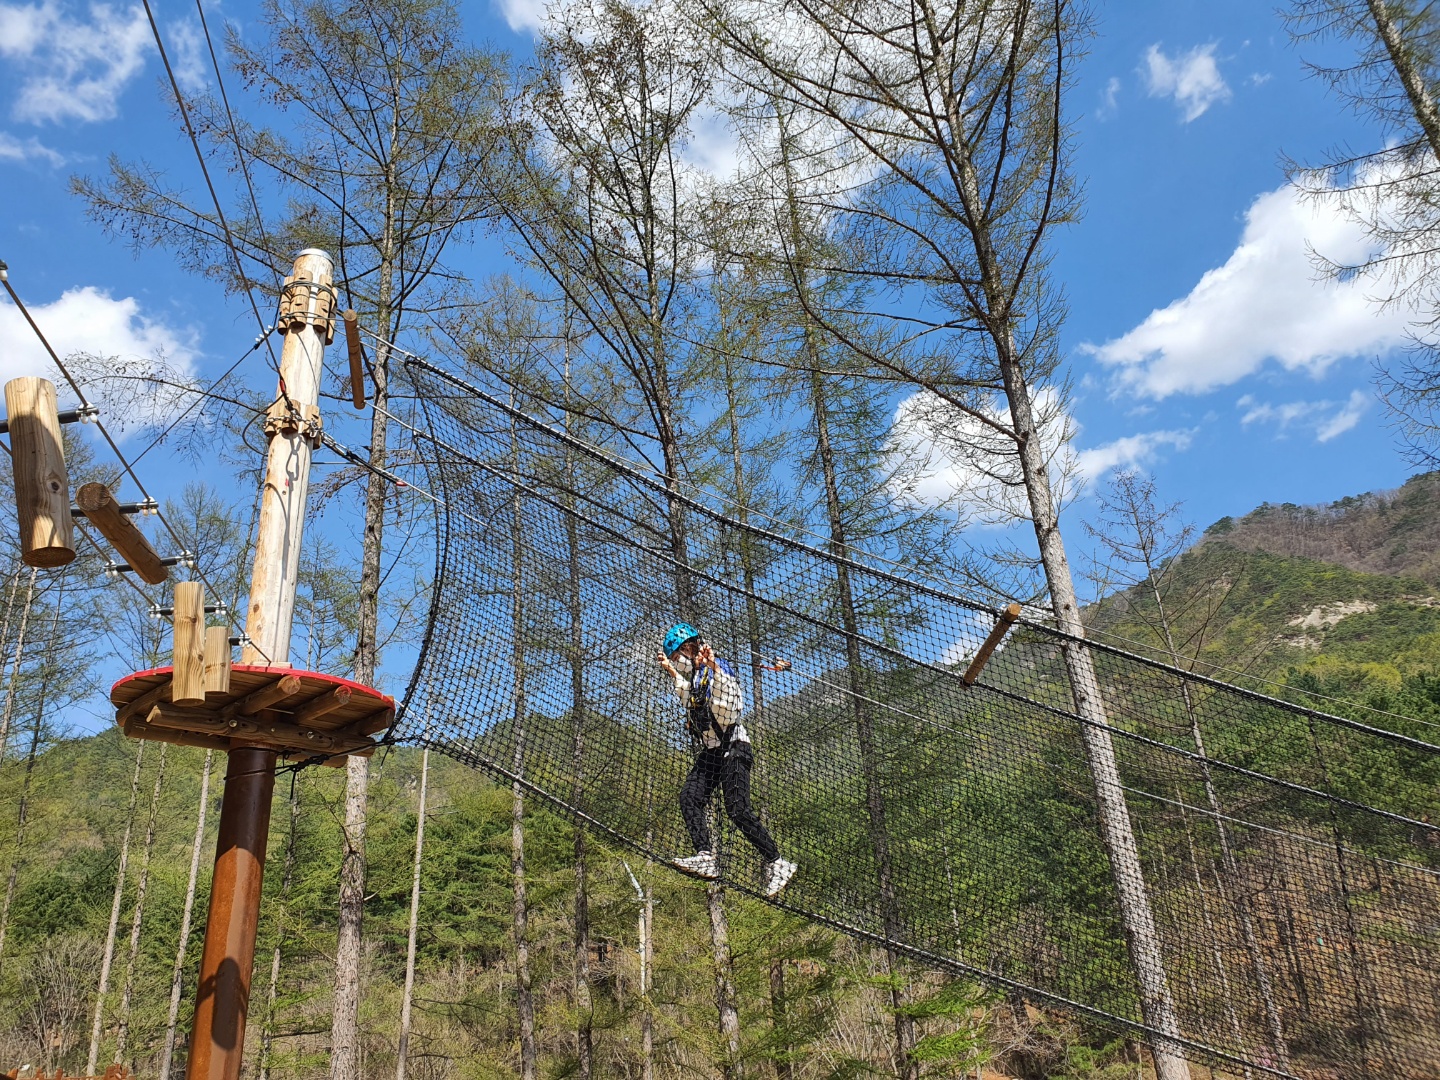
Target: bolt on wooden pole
(42, 485)
(217, 1042)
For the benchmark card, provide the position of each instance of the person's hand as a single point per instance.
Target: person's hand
(664, 662)
(706, 656)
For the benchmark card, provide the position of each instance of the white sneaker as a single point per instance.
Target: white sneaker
(702, 865)
(777, 876)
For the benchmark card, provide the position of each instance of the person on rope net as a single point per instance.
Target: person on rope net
(710, 693)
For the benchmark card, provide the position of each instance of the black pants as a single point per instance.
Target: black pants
(728, 770)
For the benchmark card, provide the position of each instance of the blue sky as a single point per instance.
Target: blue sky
(1199, 343)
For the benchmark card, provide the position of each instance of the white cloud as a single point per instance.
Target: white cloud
(1264, 304)
(1129, 451)
(72, 69)
(13, 149)
(89, 320)
(185, 45)
(524, 16)
(1193, 79)
(1109, 99)
(967, 465)
(1327, 419)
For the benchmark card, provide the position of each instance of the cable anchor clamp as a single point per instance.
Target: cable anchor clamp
(307, 303)
(286, 418)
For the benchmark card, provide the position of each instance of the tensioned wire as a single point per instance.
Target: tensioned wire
(1306, 856)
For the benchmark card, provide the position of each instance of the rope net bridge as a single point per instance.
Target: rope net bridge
(1286, 857)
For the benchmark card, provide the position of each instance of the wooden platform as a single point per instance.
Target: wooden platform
(298, 713)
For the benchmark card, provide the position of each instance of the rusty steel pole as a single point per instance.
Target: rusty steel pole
(222, 1000)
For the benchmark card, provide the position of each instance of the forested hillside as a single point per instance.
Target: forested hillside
(1337, 606)
(811, 1003)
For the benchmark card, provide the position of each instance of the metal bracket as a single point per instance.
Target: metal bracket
(285, 418)
(147, 506)
(185, 559)
(158, 612)
(81, 414)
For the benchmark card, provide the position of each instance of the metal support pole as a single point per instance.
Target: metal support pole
(217, 1042)
(222, 1000)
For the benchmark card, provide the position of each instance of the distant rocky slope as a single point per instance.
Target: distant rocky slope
(1395, 533)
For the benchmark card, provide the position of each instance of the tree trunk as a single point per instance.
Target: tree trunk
(345, 1061)
(525, 1000)
(905, 1038)
(14, 682)
(1227, 854)
(1216, 955)
(127, 992)
(1157, 1007)
(109, 955)
(647, 976)
(1421, 103)
(177, 972)
(905, 1065)
(407, 997)
(647, 919)
(349, 947)
(783, 1069)
(724, 980)
(584, 1006)
(23, 817)
(267, 1029)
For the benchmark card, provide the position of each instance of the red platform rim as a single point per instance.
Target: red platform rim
(278, 672)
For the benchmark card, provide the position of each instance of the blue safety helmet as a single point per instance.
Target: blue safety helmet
(677, 635)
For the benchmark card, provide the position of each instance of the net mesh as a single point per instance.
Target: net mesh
(1287, 856)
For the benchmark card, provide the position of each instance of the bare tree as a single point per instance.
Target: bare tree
(408, 994)
(1391, 191)
(1142, 543)
(959, 110)
(604, 204)
(137, 915)
(108, 956)
(177, 970)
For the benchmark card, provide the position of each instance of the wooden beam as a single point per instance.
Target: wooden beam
(102, 511)
(141, 705)
(266, 696)
(137, 728)
(357, 358)
(217, 660)
(273, 733)
(189, 659)
(370, 723)
(997, 634)
(42, 485)
(320, 706)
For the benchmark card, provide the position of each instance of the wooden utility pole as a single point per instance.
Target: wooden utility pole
(217, 1043)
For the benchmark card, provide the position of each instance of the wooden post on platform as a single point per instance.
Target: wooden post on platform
(217, 1041)
(188, 677)
(217, 660)
(42, 486)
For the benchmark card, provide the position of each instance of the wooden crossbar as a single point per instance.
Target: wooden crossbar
(992, 642)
